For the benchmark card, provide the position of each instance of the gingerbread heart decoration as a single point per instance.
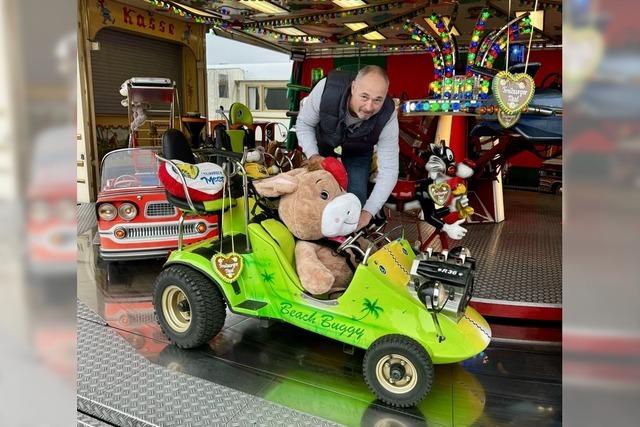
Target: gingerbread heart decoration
(507, 120)
(513, 92)
(440, 192)
(228, 266)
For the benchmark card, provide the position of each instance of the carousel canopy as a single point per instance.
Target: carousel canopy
(347, 27)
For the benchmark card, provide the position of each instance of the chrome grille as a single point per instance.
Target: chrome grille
(164, 230)
(159, 209)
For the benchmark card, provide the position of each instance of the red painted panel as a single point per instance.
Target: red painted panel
(484, 190)
(526, 333)
(409, 75)
(551, 62)
(526, 159)
(515, 311)
(309, 64)
(458, 137)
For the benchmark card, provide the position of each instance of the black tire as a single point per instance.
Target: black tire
(416, 373)
(197, 322)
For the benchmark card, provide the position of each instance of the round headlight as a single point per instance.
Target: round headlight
(127, 211)
(107, 211)
(434, 295)
(440, 296)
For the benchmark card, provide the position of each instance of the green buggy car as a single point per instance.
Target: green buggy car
(407, 310)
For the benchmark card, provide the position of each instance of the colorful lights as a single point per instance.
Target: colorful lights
(432, 106)
(448, 48)
(491, 50)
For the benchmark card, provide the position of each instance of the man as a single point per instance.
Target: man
(354, 115)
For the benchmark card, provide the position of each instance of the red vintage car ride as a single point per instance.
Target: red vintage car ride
(135, 221)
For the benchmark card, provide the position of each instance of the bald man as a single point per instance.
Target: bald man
(355, 115)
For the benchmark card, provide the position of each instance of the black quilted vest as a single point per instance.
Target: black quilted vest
(332, 131)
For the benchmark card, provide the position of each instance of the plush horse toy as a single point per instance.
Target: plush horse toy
(314, 206)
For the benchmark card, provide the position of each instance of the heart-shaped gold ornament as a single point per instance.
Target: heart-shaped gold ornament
(227, 266)
(513, 92)
(440, 192)
(507, 120)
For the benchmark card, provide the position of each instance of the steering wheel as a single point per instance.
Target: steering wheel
(281, 162)
(374, 233)
(284, 159)
(349, 242)
(126, 181)
(552, 80)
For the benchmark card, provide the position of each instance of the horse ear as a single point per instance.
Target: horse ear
(283, 183)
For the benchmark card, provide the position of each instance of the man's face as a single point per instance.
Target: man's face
(367, 95)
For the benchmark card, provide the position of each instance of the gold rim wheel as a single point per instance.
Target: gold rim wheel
(175, 308)
(396, 373)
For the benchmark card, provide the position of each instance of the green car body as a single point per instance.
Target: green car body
(379, 302)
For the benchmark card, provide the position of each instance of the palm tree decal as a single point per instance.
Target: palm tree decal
(370, 308)
(267, 277)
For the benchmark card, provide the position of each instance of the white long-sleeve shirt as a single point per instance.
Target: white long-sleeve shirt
(387, 146)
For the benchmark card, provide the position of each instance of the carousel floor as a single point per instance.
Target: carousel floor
(276, 374)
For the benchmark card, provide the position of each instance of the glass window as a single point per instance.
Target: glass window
(275, 98)
(253, 98)
(223, 86)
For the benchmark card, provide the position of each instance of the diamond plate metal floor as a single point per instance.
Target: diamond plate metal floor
(520, 259)
(86, 421)
(86, 215)
(117, 385)
(85, 313)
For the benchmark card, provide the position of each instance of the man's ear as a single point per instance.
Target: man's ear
(283, 183)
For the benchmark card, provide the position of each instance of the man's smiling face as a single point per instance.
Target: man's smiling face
(367, 95)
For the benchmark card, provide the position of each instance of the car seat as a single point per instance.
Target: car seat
(176, 147)
(280, 246)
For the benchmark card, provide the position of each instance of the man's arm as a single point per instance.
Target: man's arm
(308, 119)
(388, 165)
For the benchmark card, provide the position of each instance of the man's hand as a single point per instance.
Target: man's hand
(365, 219)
